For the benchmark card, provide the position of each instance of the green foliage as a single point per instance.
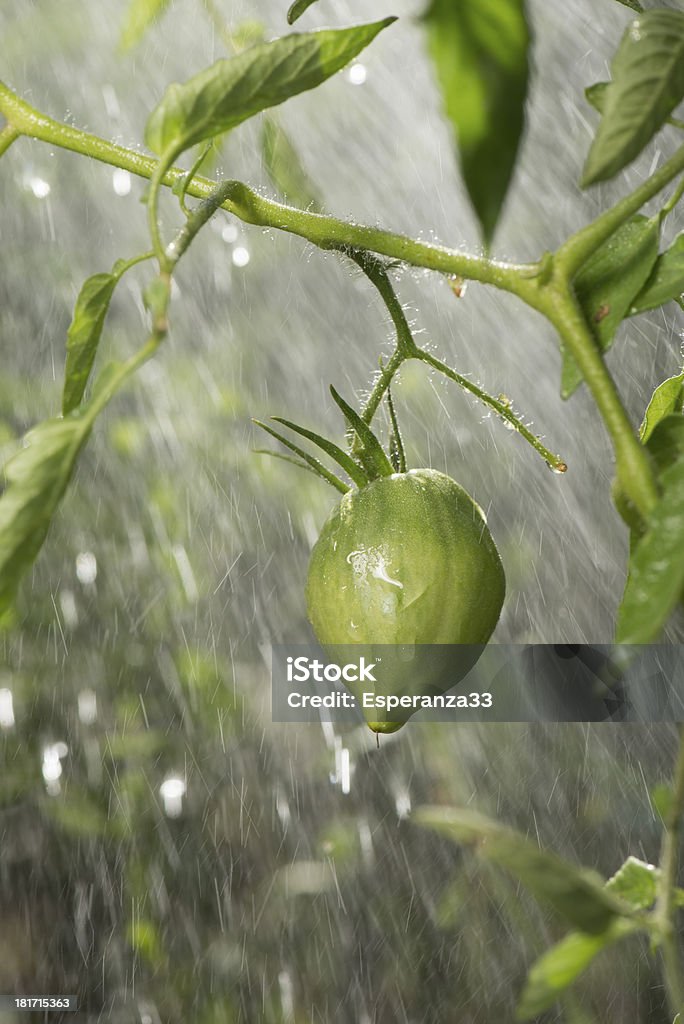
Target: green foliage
(576, 894)
(480, 52)
(668, 398)
(285, 169)
(141, 14)
(83, 336)
(656, 570)
(666, 281)
(234, 89)
(37, 478)
(636, 883)
(561, 965)
(297, 9)
(647, 84)
(597, 95)
(606, 285)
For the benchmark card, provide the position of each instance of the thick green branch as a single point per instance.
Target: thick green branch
(322, 230)
(8, 135)
(633, 469)
(665, 907)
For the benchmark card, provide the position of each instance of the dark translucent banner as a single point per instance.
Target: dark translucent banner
(387, 684)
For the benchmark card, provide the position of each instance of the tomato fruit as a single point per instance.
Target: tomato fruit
(407, 559)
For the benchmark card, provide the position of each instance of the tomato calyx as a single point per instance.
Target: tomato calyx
(366, 459)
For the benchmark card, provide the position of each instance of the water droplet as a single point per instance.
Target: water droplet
(230, 233)
(39, 187)
(240, 256)
(357, 74)
(86, 567)
(558, 468)
(121, 182)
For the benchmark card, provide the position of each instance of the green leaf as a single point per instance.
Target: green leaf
(667, 398)
(656, 572)
(666, 442)
(635, 882)
(345, 461)
(234, 89)
(297, 9)
(561, 965)
(666, 281)
(596, 95)
(577, 894)
(370, 453)
(480, 53)
(139, 17)
(647, 84)
(314, 464)
(83, 336)
(633, 4)
(285, 169)
(37, 477)
(606, 285)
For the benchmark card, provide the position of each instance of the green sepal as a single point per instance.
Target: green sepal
(312, 463)
(285, 458)
(396, 445)
(345, 461)
(370, 454)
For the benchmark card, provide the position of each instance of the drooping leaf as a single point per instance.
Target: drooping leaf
(667, 398)
(39, 474)
(83, 336)
(666, 281)
(480, 53)
(285, 169)
(596, 95)
(636, 883)
(577, 894)
(37, 477)
(297, 9)
(606, 285)
(314, 464)
(139, 17)
(656, 568)
(234, 89)
(370, 452)
(345, 461)
(561, 965)
(647, 84)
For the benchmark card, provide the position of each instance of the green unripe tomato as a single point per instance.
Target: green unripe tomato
(406, 560)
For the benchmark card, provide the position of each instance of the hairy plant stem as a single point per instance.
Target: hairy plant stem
(501, 407)
(665, 905)
(545, 286)
(8, 135)
(633, 469)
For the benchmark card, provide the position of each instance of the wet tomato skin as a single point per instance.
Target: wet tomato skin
(407, 559)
